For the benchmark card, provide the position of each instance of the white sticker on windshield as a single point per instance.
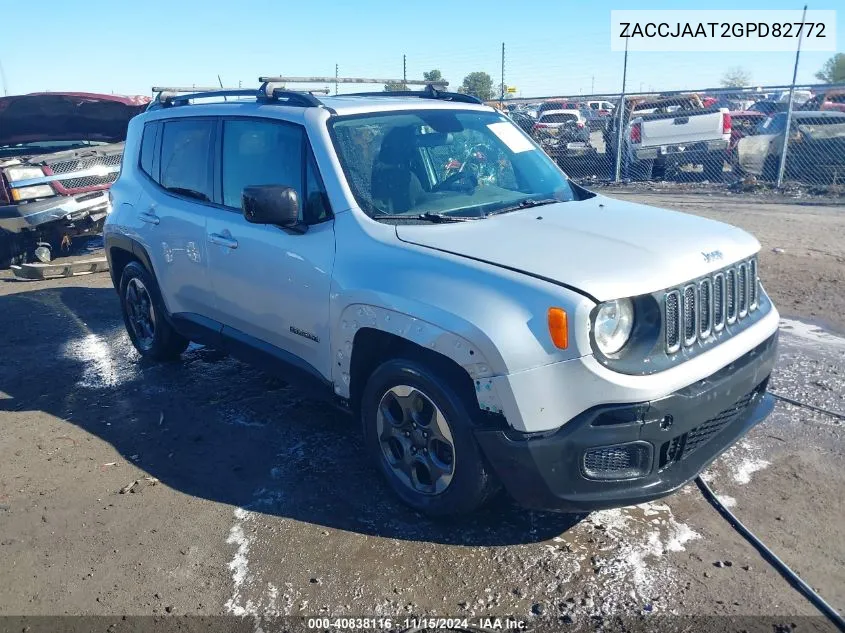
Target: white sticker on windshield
(510, 135)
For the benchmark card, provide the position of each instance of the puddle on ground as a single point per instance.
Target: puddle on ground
(107, 361)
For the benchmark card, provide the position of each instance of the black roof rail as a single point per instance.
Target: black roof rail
(182, 99)
(430, 92)
(168, 97)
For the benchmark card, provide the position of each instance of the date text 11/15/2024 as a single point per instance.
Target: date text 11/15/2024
(413, 623)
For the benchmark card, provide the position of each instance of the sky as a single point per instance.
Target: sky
(551, 47)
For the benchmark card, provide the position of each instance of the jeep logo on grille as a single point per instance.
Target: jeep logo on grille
(712, 256)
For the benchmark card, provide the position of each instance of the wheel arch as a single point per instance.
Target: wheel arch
(368, 335)
(120, 250)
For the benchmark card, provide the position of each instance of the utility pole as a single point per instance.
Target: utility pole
(782, 166)
(404, 73)
(621, 122)
(335, 79)
(3, 80)
(593, 85)
(502, 95)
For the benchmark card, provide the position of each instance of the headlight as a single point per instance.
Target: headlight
(36, 191)
(23, 173)
(613, 324)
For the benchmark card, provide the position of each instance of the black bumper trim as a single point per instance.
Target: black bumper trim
(544, 471)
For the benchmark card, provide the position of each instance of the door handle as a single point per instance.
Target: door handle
(222, 240)
(149, 217)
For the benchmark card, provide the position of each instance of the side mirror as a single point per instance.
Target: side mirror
(271, 204)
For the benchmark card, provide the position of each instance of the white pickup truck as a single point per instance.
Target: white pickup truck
(669, 133)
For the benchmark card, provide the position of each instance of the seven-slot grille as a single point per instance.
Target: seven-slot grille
(698, 310)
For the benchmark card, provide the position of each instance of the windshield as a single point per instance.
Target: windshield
(458, 163)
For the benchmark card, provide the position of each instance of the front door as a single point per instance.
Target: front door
(271, 285)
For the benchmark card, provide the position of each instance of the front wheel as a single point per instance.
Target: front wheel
(144, 316)
(418, 430)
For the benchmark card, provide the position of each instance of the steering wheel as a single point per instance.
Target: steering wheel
(470, 178)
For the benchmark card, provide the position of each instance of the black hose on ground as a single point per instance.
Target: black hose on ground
(791, 577)
(798, 403)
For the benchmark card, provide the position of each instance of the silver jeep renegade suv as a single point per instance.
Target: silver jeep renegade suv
(420, 262)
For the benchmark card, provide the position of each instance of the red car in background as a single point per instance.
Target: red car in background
(59, 153)
(828, 100)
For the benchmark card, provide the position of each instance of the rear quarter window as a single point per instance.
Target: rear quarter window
(149, 157)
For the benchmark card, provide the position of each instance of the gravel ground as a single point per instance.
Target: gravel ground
(207, 487)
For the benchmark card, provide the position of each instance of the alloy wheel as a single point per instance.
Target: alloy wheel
(416, 440)
(139, 307)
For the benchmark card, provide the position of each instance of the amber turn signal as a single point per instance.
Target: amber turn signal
(558, 327)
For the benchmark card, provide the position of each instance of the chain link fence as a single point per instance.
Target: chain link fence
(711, 135)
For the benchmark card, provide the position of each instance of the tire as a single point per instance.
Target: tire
(714, 168)
(140, 300)
(398, 395)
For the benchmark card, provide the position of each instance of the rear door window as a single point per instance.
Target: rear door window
(186, 158)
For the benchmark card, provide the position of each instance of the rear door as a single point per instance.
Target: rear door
(174, 207)
(272, 285)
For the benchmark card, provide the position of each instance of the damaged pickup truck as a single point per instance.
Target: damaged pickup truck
(59, 153)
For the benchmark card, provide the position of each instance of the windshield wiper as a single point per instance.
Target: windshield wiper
(437, 218)
(525, 204)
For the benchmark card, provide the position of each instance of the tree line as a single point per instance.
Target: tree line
(477, 84)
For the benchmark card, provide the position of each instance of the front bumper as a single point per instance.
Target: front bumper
(15, 218)
(683, 431)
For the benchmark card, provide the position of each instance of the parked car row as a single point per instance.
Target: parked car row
(672, 137)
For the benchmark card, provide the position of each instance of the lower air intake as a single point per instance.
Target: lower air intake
(623, 461)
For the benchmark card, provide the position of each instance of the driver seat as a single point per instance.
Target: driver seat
(393, 183)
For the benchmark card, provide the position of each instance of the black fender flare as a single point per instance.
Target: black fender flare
(130, 245)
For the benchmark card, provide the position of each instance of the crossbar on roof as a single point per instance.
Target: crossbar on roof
(352, 80)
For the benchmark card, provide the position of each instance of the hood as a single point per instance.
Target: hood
(66, 116)
(603, 247)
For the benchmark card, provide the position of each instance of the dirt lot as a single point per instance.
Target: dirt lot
(207, 487)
